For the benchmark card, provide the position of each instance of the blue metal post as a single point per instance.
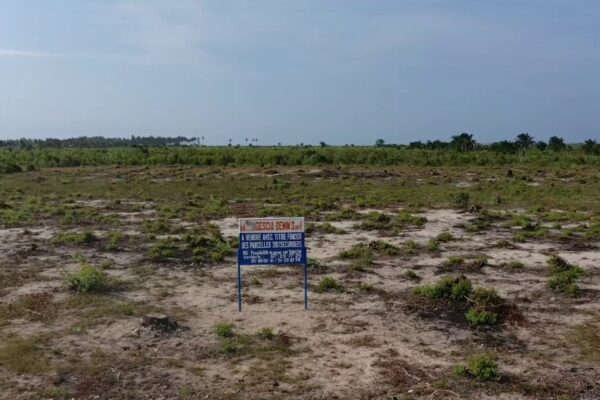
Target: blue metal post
(306, 285)
(239, 288)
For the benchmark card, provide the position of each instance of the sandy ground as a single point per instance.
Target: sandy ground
(348, 345)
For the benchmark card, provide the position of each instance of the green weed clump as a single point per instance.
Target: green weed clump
(345, 214)
(316, 265)
(482, 367)
(454, 261)
(224, 330)
(325, 227)
(266, 334)
(445, 236)
(208, 248)
(483, 305)
(360, 252)
(410, 219)
(87, 279)
(512, 265)
(481, 223)
(412, 275)
(384, 248)
(114, 241)
(23, 355)
(266, 344)
(564, 276)
(76, 238)
(454, 288)
(329, 284)
(586, 338)
(157, 226)
(163, 249)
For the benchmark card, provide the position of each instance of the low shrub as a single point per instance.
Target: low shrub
(564, 276)
(87, 279)
(224, 330)
(360, 252)
(455, 288)
(78, 238)
(163, 249)
(445, 236)
(483, 367)
(329, 284)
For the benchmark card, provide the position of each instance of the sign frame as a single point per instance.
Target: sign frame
(269, 233)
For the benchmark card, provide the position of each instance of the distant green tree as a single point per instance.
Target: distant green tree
(556, 143)
(463, 142)
(379, 143)
(525, 140)
(591, 147)
(322, 144)
(541, 145)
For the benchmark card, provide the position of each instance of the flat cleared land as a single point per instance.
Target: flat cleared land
(162, 240)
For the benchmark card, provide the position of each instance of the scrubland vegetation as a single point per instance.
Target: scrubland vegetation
(436, 271)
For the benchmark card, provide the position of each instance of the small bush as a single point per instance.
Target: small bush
(384, 248)
(512, 265)
(266, 334)
(412, 275)
(477, 316)
(224, 330)
(460, 370)
(326, 227)
(558, 264)
(316, 265)
(433, 246)
(462, 200)
(485, 297)
(367, 287)
(565, 282)
(408, 218)
(360, 252)
(157, 226)
(411, 248)
(163, 250)
(87, 279)
(503, 243)
(445, 236)
(455, 288)
(329, 284)
(86, 237)
(483, 367)
(22, 355)
(564, 276)
(114, 241)
(454, 261)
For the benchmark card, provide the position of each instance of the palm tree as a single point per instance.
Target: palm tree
(556, 143)
(525, 140)
(463, 142)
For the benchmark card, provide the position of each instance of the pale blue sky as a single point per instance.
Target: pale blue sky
(342, 71)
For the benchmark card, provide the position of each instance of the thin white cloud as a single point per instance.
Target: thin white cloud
(12, 53)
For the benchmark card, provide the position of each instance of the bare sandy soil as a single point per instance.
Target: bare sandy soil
(368, 341)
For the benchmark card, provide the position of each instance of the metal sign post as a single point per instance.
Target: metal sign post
(272, 241)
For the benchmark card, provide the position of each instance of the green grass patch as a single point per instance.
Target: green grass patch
(88, 279)
(76, 238)
(564, 276)
(329, 284)
(23, 355)
(482, 367)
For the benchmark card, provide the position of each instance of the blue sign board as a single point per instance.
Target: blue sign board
(272, 241)
(272, 248)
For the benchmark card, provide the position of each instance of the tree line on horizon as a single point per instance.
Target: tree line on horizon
(463, 143)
